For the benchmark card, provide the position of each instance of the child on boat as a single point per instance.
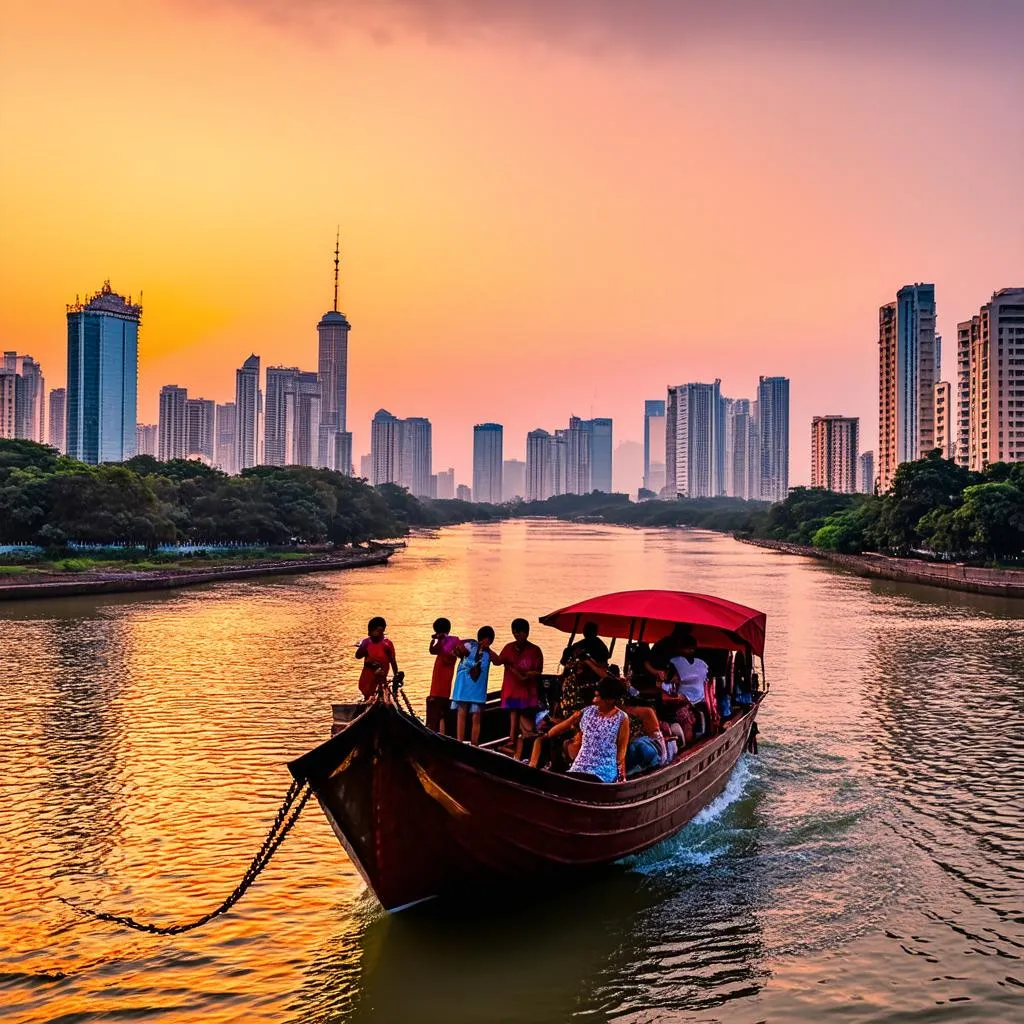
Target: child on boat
(377, 653)
(470, 693)
(444, 645)
(524, 664)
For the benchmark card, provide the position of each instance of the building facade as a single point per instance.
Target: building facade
(292, 418)
(866, 473)
(248, 411)
(385, 448)
(945, 419)
(416, 458)
(225, 450)
(147, 439)
(513, 480)
(200, 429)
(773, 437)
(835, 443)
(464, 493)
(966, 333)
(30, 397)
(695, 441)
(103, 361)
(488, 462)
(445, 484)
(907, 372)
(654, 445)
(742, 454)
(171, 444)
(601, 454)
(8, 397)
(58, 419)
(545, 465)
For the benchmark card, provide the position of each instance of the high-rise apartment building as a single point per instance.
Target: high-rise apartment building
(8, 397)
(966, 333)
(578, 441)
(445, 486)
(835, 441)
(30, 397)
(487, 462)
(225, 451)
(58, 419)
(200, 432)
(464, 493)
(103, 358)
(773, 437)
(147, 439)
(695, 440)
(332, 368)
(945, 419)
(416, 459)
(292, 418)
(996, 374)
(601, 457)
(385, 448)
(545, 465)
(866, 473)
(513, 480)
(907, 372)
(742, 453)
(654, 445)
(366, 466)
(248, 410)
(171, 444)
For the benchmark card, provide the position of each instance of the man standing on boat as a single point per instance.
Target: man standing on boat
(524, 664)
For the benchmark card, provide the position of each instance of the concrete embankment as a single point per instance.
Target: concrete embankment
(128, 581)
(995, 582)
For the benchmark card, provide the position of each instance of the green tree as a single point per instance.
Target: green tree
(993, 518)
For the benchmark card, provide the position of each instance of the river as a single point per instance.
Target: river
(867, 866)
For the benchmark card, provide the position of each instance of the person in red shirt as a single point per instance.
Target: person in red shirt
(377, 653)
(444, 646)
(524, 664)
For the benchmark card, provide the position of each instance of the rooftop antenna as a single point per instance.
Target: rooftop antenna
(337, 260)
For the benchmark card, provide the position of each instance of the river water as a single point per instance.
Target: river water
(867, 866)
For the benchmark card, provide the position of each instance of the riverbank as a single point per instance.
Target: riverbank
(43, 584)
(994, 582)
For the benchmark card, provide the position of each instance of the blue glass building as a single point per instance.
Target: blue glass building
(103, 362)
(600, 454)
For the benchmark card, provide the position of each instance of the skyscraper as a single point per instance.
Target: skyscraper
(171, 444)
(30, 397)
(866, 473)
(8, 396)
(464, 493)
(773, 429)
(578, 441)
(545, 465)
(996, 428)
(200, 433)
(907, 373)
(966, 332)
(742, 454)
(248, 406)
(600, 454)
(225, 452)
(834, 453)
(416, 459)
(332, 368)
(147, 439)
(58, 417)
(293, 418)
(487, 462)
(695, 440)
(103, 355)
(945, 419)
(654, 444)
(513, 480)
(366, 466)
(445, 488)
(385, 448)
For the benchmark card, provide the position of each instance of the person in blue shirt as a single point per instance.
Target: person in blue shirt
(470, 691)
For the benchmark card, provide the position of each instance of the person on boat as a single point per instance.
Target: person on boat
(647, 749)
(687, 680)
(524, 665)
(605, 729)
(377, 653)
(590, 645)
(659, 660)
(470, 692)
(444, 646)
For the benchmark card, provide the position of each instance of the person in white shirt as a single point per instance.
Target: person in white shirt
(686, 678)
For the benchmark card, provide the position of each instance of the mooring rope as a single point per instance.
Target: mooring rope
(287, 815)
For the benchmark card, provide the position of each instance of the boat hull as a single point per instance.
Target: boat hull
(422, 815)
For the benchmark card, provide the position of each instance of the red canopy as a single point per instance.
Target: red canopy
(651, 614)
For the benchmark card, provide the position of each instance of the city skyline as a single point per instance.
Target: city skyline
(520, 231)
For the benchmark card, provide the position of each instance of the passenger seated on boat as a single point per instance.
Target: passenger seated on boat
(687, 678)
(377, 653)
(470, 693)
(605, 730)
(647, 749)
(659, 662)
(590, 645)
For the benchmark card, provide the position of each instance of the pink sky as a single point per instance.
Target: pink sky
(546, 207)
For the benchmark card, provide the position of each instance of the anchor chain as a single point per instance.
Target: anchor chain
(287, 815)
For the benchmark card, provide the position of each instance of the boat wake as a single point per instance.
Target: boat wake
(706, 838)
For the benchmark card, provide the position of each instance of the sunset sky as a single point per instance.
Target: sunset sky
(546, 207)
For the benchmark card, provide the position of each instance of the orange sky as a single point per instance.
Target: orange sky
(545, 209)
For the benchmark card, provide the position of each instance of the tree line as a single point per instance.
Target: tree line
(52, 500)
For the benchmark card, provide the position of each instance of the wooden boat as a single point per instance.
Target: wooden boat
(422, 815)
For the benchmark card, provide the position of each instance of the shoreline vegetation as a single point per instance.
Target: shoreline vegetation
(182, 520)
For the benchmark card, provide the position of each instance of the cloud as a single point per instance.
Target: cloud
(970, 29)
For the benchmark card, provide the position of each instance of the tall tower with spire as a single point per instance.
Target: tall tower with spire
(335, 441)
